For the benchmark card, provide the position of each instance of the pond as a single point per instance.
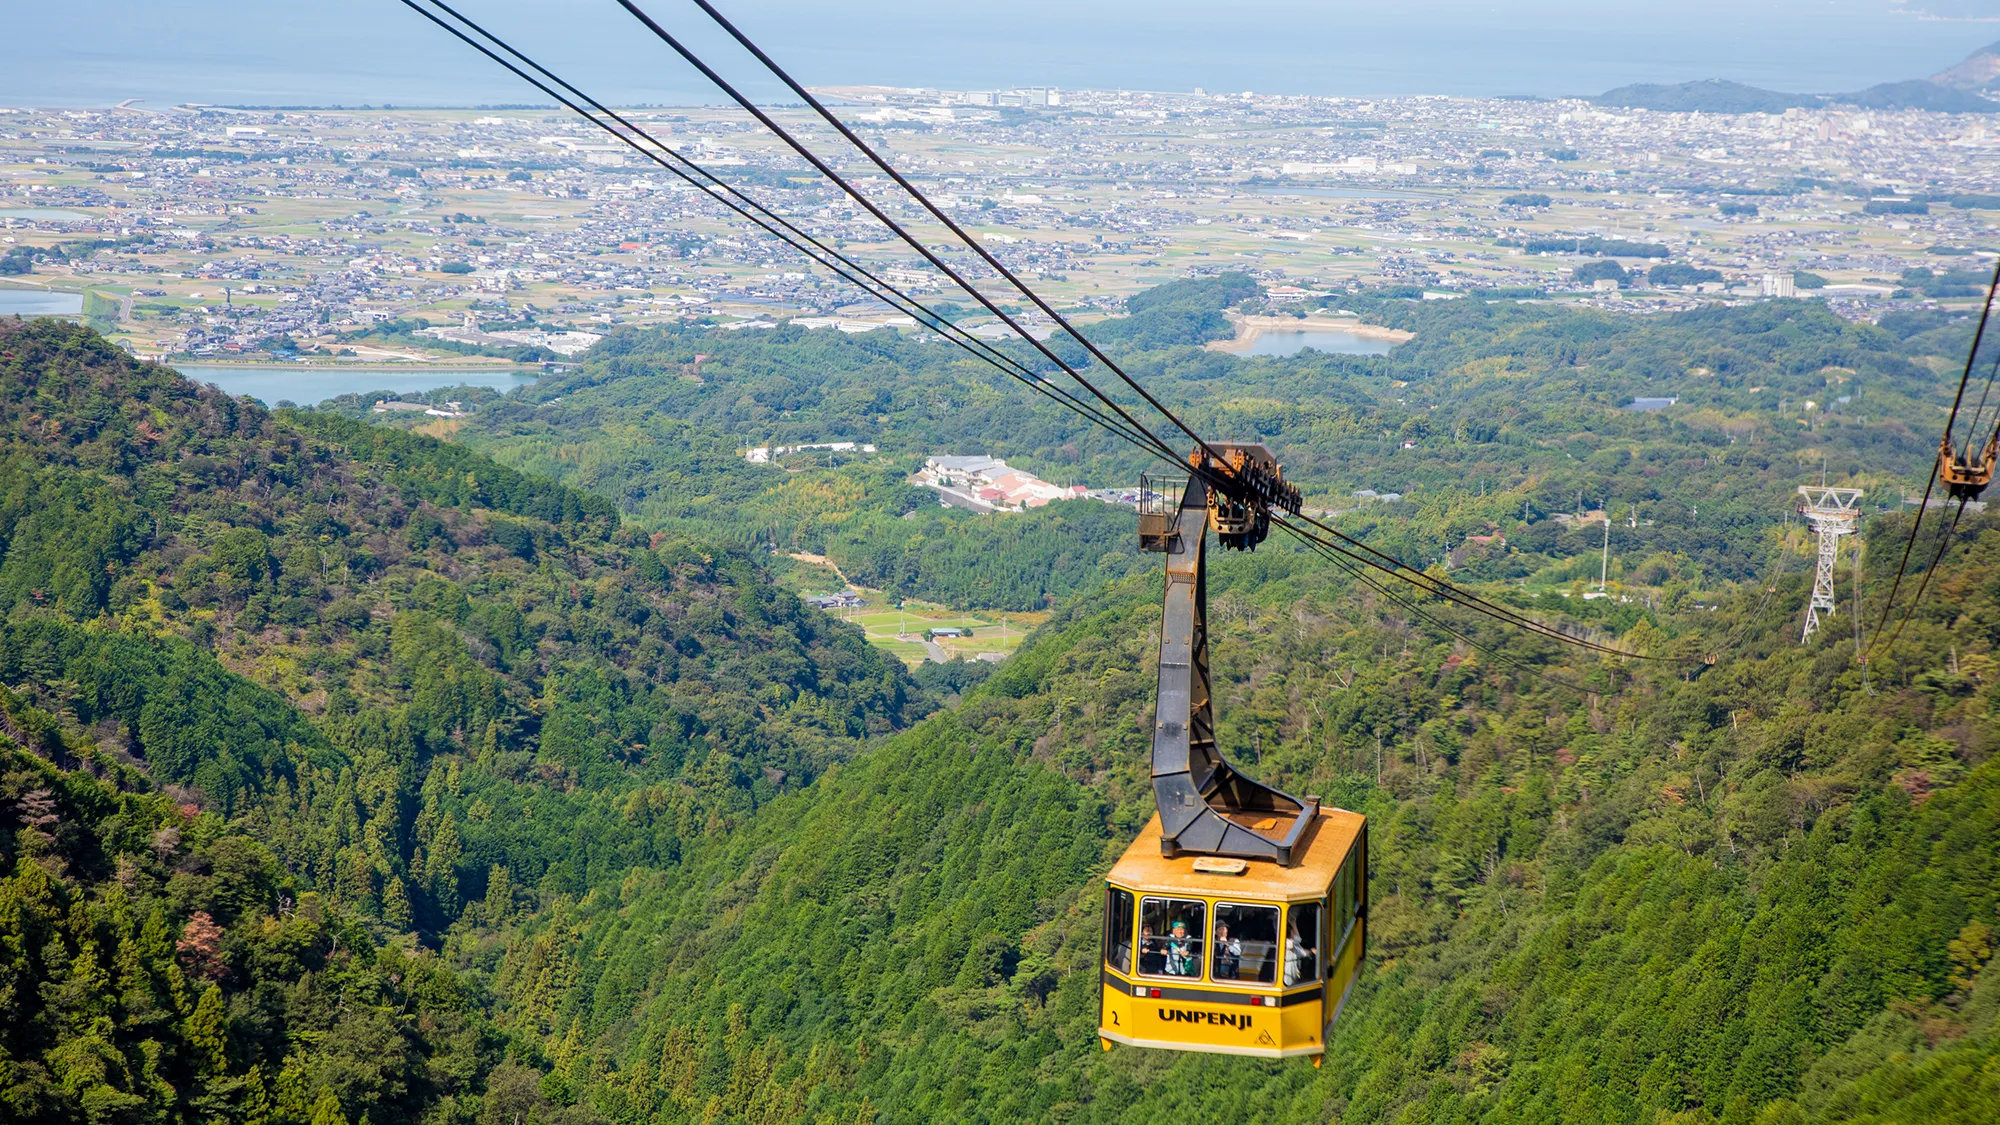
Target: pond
(54, 213)
(308, 385)
(39, 302)
(1287, 342)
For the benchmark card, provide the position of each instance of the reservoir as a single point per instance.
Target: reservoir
(1282, 342)
(55, 213)
(38, 302)
(307, 386)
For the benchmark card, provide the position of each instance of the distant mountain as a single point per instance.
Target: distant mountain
(1710, 95)
(1918, 94)
(1979, 71)
(1716, 95)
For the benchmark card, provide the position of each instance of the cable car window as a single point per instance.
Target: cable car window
(1246, 944)
(1171, 936)
(1343, 903)
(1118, 929)
(1348, 892)
(1302, 944)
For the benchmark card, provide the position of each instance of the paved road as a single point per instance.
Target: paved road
(935, 649)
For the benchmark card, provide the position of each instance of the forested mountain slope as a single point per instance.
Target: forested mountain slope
(157, 965)
(330, 798)
(431, 689)
(1756, 893)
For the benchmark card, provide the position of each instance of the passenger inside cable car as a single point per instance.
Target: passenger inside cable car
(1174, 936)
(1152, 953)
(1246, 943)
(1228, 951)
(1182, 958)
(1302, 945)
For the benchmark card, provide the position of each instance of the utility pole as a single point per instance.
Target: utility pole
(1604, 564)
(1832, 513)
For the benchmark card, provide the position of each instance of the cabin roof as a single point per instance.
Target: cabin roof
(1143, 868)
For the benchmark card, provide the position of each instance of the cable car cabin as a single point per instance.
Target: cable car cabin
(1235, 956)
(1236, 922)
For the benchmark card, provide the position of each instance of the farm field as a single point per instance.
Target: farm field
(900, 630)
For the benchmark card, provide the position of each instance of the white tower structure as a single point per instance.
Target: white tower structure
(1832, 513)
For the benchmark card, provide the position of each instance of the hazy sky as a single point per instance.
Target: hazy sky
(376, 51)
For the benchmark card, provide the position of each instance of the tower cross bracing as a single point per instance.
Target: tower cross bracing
(1833, 513)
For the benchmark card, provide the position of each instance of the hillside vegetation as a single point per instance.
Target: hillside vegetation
(361, 663)
(1760, 894)
(1495, 418)
(349, 775)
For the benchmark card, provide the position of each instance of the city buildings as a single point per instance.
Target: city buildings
(983, 483)
(447, 234)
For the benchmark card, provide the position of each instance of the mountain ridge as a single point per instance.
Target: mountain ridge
(1979, 70)
(1716, 95)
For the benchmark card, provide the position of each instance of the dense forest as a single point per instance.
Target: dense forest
(1690, 900)
(346, 668)
(1497, 417)
(350, 775)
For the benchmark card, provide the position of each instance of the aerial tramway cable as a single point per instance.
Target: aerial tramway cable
(898, 229)
(1902, 567)
(1223, 483)
(1451, 593)
(1911, 609)
(815, 249)
(1360, 573)
(903, 182)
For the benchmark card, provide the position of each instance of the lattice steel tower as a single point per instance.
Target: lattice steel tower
(1832, 513)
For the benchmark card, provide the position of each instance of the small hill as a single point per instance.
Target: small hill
(1918, 94)
(1710, 95)
(1717, 95)
(1979, 71)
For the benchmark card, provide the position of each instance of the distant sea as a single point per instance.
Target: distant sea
(378, 52)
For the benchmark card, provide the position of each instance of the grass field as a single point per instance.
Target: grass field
(887, 626)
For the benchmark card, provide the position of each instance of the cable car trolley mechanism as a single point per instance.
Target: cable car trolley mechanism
(1236, 922)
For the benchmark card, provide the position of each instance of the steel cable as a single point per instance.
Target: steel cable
(844, 267)
(949, 223)
(1359, 572)
(1916, 601)
(792, 235)
(1388, 564)
(895, 227)
(1923, 506)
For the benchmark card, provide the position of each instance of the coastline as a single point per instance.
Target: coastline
(1248, 328)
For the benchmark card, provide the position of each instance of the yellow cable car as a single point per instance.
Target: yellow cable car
(1237, 922)
(1231, 955)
